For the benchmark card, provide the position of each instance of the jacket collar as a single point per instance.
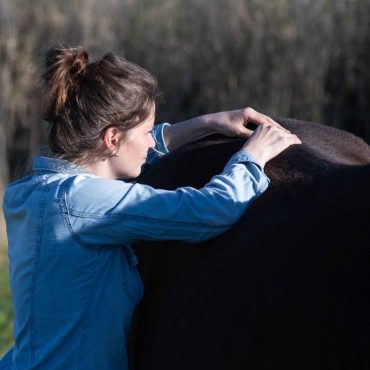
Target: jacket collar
(42, 165)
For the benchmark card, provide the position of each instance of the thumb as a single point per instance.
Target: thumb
(245, 132)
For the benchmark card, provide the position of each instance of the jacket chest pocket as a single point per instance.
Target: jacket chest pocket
(132, 284)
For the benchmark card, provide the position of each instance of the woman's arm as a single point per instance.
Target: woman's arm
(230, 123)
(110, 212)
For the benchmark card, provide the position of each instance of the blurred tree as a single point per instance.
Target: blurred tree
(294, 58)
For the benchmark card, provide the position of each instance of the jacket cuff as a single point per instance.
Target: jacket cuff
(160, 145)
(247, 159)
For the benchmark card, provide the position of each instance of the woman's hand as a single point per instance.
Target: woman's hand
(268, 141)
(233, 123)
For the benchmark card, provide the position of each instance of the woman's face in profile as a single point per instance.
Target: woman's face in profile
(134, 149)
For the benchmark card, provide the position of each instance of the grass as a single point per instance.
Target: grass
(6, 309)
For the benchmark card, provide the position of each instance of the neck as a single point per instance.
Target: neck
(100, 168)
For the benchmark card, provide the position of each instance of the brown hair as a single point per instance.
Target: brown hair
(81, 99)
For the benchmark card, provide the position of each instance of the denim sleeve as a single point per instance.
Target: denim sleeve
(102, 211)
(160, 148)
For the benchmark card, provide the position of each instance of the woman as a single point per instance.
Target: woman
(73, 274)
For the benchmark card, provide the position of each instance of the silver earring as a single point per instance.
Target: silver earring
(115, 154)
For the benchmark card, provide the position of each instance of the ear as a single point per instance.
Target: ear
(112, 137)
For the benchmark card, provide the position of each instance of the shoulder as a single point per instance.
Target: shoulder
(20, 191)
(92, 194)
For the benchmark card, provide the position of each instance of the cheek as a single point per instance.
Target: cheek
(138, 151)
(136, 146)
(151, 141)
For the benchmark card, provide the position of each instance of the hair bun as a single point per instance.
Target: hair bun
(64, 66)
(80, 59)
(66, 60)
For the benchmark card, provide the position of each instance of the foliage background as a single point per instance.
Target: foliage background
(295, 58)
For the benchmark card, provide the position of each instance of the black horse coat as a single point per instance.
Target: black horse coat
(288, 287)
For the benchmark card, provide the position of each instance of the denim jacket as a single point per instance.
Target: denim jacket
(73, 274)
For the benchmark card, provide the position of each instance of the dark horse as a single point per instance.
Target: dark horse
(288, 287)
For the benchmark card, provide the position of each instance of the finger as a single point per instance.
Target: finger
(293, 139)
(255, 117)
(274, 123)
(288, 137)
(260, 119)
(268, 120)
(245, 132)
